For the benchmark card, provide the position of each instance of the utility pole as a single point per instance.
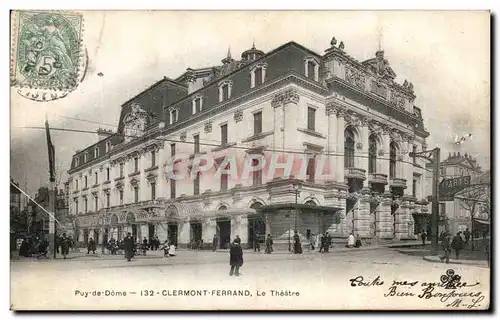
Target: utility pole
(436, 161)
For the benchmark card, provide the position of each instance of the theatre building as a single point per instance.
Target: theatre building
(347, 126)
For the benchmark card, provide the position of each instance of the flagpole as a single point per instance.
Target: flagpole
(53, 190)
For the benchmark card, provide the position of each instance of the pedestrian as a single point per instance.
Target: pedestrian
(24, 249)
(269, 244)
(297, 247)
(214, 243)
(321, 242)
(157, 242)
(144, 245)
(350, 241)
(358, 241)
(256, 245)
(65, 244)
(128, 246)
(446, 243)
(467, 235)
(91, 246)
(328, 242)
(235, 257)
(457, 244)
(165, 247)
(312, 241)
(423, 235)
(171, 250)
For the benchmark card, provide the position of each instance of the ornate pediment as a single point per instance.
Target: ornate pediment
(135, 122)
(380, 66)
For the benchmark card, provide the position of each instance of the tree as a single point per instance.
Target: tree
(475, 199)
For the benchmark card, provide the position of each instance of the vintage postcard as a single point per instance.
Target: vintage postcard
(250, 160)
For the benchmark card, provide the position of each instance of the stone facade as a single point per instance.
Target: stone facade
(325, 110)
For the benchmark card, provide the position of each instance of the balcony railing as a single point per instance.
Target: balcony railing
(355, 173)
(398, 183)
(379, 178)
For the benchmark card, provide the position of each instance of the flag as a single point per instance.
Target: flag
(51, 149)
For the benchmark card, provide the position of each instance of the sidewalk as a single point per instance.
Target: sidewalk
(436, 259)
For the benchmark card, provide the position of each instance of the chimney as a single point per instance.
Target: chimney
(459, 154)
(449, 155)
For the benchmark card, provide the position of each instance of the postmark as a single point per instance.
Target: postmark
(48, 58)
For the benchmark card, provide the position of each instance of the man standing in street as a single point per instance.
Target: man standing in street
(214, 243)
(256, 244)
(423, 235)
(235, 257)
(467, 235)
(65, 244)
(128, 244)
(446, 243)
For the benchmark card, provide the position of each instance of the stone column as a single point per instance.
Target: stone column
(344, 228)
(184, 233)
(144, 228)
(401, 221)
(384, 221)
(408, 165)
(91, 234)
(362, 217)
(161, 230)
(80, 235)
(160, 180)
(331, 147)
(365, 133)
(243, 226)
(386, 142)
(144, 186)
(340, 146)
(100, 237)
(209, 230)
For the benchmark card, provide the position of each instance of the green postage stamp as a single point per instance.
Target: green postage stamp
(47, 58)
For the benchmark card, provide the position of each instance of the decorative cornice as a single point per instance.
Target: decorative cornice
(208, 126)
(238, 115)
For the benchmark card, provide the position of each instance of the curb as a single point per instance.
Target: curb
(464, 262)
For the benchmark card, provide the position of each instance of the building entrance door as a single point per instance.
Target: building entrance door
(196, 232)
(172, 233)
(151, 231)
(224, 231)
(256, 226)
(134, 231)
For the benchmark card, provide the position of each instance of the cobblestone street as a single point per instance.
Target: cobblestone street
(60, 283)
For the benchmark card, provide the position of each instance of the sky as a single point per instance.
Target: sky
(445, 54)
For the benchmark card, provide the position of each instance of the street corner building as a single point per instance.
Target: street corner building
(352, 116)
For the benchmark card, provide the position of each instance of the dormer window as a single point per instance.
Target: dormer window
(108, 146)
(225, 90)
(311, 68)
(174, 116)
(257, 75)
(85, 157)
(96, 152)
(197, 104)
(77, 161)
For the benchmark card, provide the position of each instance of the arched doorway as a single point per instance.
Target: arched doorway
(256, 226)
(223, 229)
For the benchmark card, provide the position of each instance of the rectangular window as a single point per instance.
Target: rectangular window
(121, 197)
(414, 188)
(121, 170)
(311, 169)
(107, 174)
(76, 183)
(153, 158)
(225, 92)
(258, 76)
(172, 189)
(223, 134)
(172, 149)
(96, 176)
(257, 123)
(76, 206)
(257, 175)
(136, 194)
(310, 69)
(173, 116)
(108, 200)
(196, 143)
(196, 185)
(414, 156)
(197, 105)
(96, 203)
(136, 164)
(223, 180)
(86, 182)
(85, 205)
(311, 119)
(153, 191)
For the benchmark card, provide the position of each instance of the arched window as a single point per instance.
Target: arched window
(392, 160)
(372, 155)
(349, 148)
